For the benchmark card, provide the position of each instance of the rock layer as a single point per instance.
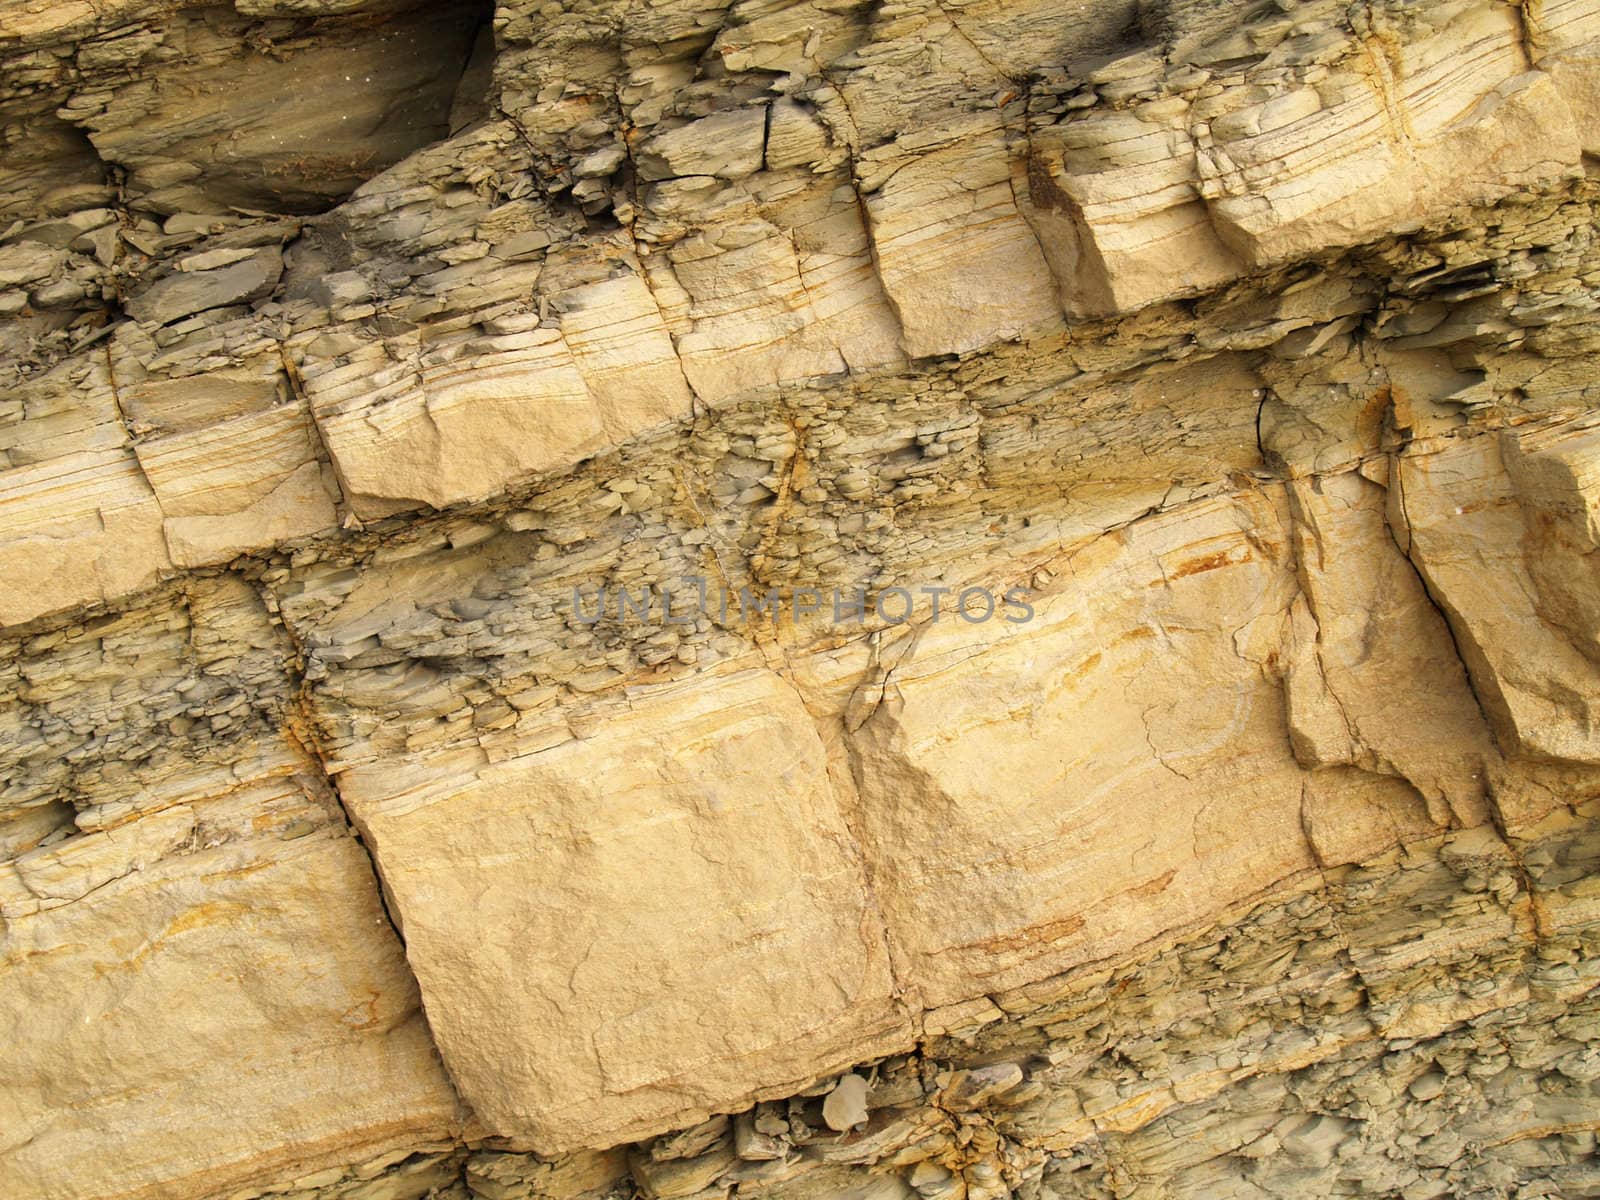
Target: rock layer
(798, 600)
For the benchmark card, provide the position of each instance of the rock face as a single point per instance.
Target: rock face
(778, 601)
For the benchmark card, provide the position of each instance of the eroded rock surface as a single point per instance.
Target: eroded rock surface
(770, 601)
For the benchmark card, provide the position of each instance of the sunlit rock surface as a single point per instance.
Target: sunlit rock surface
(782, 601)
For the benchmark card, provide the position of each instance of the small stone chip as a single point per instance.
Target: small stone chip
(846, 1105)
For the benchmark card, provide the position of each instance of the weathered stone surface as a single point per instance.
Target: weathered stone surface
(604, 875)
(1499, 525)
(183, 294)
(1023, 784)
(273, 115)
(82, 527)
(240, 1006)
(1234, 362)
(728, 145)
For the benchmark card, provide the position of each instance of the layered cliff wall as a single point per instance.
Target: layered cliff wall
(782, 600)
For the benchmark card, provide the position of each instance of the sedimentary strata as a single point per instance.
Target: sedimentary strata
(352, 849)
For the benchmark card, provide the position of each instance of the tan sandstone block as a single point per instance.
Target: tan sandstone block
(1504, 531)
(469, 427)
(407, 424)
(629, 931)
(192, 1002)
(1560, 25)
(298, 506)
(1115, 201)
(1374, 638)
(1037, 796)
(960, 265)
(1406, 131)
(788, 294)
(624, 353)
(791, 294)
(240, 485)
(76, 530)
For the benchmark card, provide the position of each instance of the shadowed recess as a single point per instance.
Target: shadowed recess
(287, 115)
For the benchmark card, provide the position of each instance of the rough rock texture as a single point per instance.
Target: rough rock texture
(462, 736)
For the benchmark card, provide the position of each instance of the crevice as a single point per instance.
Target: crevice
(1397, 483)
(347, 518)
(851, 806)
(976, 49)
(1261, 409)
(128, 426)
(1525, 16)
(779, 506)
(300, 727)
(474, 94)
